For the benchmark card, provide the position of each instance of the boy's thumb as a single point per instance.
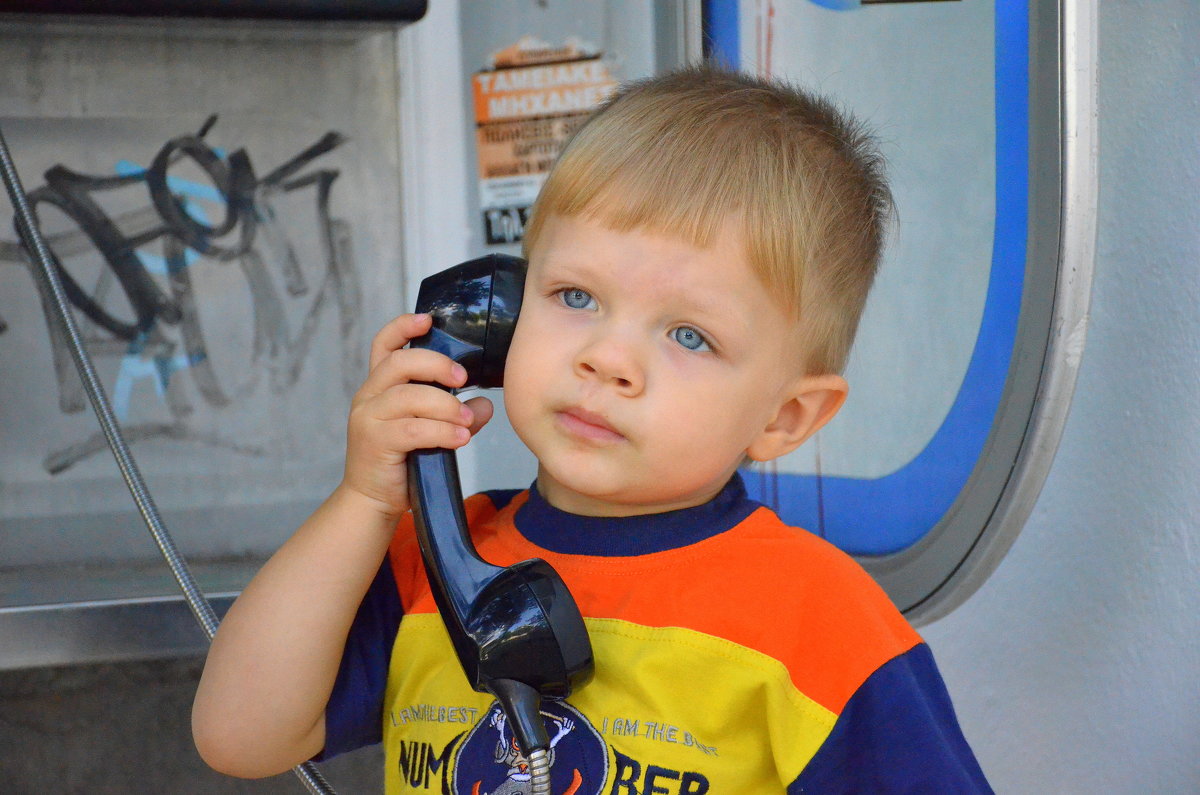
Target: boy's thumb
(483, 410)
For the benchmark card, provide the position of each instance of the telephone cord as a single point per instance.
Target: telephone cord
(539, 772)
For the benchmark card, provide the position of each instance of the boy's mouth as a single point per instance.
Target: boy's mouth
(588, 424)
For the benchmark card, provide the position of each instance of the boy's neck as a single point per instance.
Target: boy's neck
(573, 502)
(559, 531)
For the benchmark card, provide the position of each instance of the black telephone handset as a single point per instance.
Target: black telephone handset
(517, 630)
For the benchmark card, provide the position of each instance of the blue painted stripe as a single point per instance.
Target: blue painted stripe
(721, 31)
(891, 513)
(837, 5)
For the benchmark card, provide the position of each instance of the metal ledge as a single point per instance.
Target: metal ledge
(74, 615)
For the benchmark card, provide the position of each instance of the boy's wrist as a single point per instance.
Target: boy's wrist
(364, 506)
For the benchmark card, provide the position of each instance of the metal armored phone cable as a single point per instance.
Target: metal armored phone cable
(44, 271)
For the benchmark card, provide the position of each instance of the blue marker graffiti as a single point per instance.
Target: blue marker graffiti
(156, 330)
(134, 365)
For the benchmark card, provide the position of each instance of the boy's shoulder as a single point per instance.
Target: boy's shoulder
(766, 553)
(819, 611)
(803, 563)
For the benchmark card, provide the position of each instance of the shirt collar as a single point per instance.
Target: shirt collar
(572, 534)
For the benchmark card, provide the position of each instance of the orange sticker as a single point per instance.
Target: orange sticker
(527, 106)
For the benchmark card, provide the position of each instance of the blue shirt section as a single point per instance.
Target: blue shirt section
(354, 714)
(898, 733)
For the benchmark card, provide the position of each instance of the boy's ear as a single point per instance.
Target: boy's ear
(812, 402)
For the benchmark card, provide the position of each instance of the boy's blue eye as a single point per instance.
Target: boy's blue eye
(690, 338)
(576, 298)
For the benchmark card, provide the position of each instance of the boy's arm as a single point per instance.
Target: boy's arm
(260, 706)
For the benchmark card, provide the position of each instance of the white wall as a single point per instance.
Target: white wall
(1075, 668)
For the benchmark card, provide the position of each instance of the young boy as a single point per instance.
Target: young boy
(698, 261)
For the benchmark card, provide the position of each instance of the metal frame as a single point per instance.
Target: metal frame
(680, 40)
(153, 627)
(941, 571)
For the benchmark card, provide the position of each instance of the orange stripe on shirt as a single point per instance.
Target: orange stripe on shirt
(763, 585)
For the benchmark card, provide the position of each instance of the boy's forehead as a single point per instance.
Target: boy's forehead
(588, 242)
(600, 224)
(562, 246)
(716, 279)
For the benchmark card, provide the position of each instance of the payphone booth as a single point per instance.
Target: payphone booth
(235, 205)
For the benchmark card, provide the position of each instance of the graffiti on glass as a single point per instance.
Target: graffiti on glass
(138, 301)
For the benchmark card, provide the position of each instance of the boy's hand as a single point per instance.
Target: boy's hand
(390, 415)
(261, 702)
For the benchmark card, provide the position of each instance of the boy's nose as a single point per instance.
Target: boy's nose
(613, 362)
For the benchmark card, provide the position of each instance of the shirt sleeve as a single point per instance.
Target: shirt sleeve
(354, 714)
(897, 733)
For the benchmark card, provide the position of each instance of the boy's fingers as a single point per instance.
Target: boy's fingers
(408, 401)
(414, 364)
(397, 333)
(419, 433)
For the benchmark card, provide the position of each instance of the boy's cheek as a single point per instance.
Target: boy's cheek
(524, 381)
(519, 368)
(519, 353)
(534, 351)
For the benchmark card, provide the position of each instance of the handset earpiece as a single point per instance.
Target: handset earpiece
(474, 306)
(517, 631)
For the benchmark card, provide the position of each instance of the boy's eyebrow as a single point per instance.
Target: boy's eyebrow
(711, 307)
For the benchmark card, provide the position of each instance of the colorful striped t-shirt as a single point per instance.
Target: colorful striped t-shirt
(734, 654)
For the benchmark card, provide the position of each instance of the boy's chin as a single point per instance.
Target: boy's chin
(576, 493)
(588, 494)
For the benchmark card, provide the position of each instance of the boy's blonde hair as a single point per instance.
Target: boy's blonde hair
(684, 153)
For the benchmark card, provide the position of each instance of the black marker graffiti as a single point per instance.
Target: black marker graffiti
(157, 330)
